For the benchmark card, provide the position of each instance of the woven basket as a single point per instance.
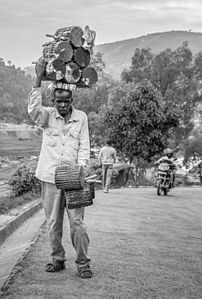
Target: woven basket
(80, 198)
(69, 177)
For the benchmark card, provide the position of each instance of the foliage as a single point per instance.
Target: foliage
(97, 128)
(193, 149)
(14, 88)
(139, 125)
(175, 74)
(23, 180)
(7, 203)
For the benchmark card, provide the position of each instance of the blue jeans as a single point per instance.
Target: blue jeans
(54, 205)
(106, 176)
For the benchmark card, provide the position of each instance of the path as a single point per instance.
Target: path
(142, 246)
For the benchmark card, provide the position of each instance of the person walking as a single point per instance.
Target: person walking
(65, 140)
(106, 158)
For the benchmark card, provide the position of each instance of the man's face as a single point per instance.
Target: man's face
(62, 101)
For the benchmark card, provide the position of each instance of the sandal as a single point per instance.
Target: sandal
(55, 266)
(85, 272)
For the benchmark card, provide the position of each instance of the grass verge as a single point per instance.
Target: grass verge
(9, 202)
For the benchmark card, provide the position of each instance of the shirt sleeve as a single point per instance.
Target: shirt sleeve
(114, 156)
(100, 157)
(84, 144)
(36, 111)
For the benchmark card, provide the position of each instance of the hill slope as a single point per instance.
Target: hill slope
(117, 55)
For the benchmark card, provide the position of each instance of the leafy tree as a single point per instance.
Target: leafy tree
(14, 88)
(139, 125)
(97, 127)
(141, 66)
(176, 76)
(193, 149)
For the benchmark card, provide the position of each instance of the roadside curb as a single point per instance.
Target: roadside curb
(11, 226)
(19, 265)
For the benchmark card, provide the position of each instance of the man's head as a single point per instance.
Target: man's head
(108, 142)
(168, 152)
(62, 100)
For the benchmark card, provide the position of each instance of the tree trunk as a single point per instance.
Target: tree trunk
(136, 171)
(64, 51)
(73, 73)
(61, 50)
(67, 59)
(89, 76)
(73, 34)
(81, 57)
(55, 70)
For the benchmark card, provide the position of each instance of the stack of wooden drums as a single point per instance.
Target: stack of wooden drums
(69, 55)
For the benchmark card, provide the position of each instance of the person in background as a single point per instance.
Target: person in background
(65, 140)
(168, 159)
(106, 158)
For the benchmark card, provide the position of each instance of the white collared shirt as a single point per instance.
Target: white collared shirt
(107, 155)
(62, 141)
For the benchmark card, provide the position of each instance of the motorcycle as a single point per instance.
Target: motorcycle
(164, 179)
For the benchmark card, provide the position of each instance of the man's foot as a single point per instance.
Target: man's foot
(55, 266)
(85, 272)
(106, 191)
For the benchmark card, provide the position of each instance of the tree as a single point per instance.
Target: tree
(176, 77)
(139, 125)
(96, 128)
(193, 149)
(14, 88)
(141, 66)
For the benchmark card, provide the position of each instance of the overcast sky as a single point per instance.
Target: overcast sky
(24, 23)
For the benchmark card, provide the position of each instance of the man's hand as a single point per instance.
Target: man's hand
(40, 71)
(40, 67)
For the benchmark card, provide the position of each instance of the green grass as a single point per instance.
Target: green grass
(19, 142)
(7, 203)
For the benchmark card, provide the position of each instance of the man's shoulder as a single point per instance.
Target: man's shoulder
(112, 149)
(80, 113)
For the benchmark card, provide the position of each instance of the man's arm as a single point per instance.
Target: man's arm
(114, 156)
(160, 160)
(84, 145)
(100, 157)
(36, 111)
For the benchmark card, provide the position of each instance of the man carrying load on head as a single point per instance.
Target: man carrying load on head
(65, 139)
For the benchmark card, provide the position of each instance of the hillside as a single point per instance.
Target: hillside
(117, 55)
(18, 140)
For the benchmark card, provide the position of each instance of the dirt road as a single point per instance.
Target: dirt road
(142, 246)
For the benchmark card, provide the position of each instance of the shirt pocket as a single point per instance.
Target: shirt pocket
(74, 139)
(51, 136)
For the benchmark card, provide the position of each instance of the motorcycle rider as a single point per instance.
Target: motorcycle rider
(169, 160)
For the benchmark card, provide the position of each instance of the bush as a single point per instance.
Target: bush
(23, 180)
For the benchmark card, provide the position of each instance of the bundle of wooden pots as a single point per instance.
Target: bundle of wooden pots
(69, 55)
